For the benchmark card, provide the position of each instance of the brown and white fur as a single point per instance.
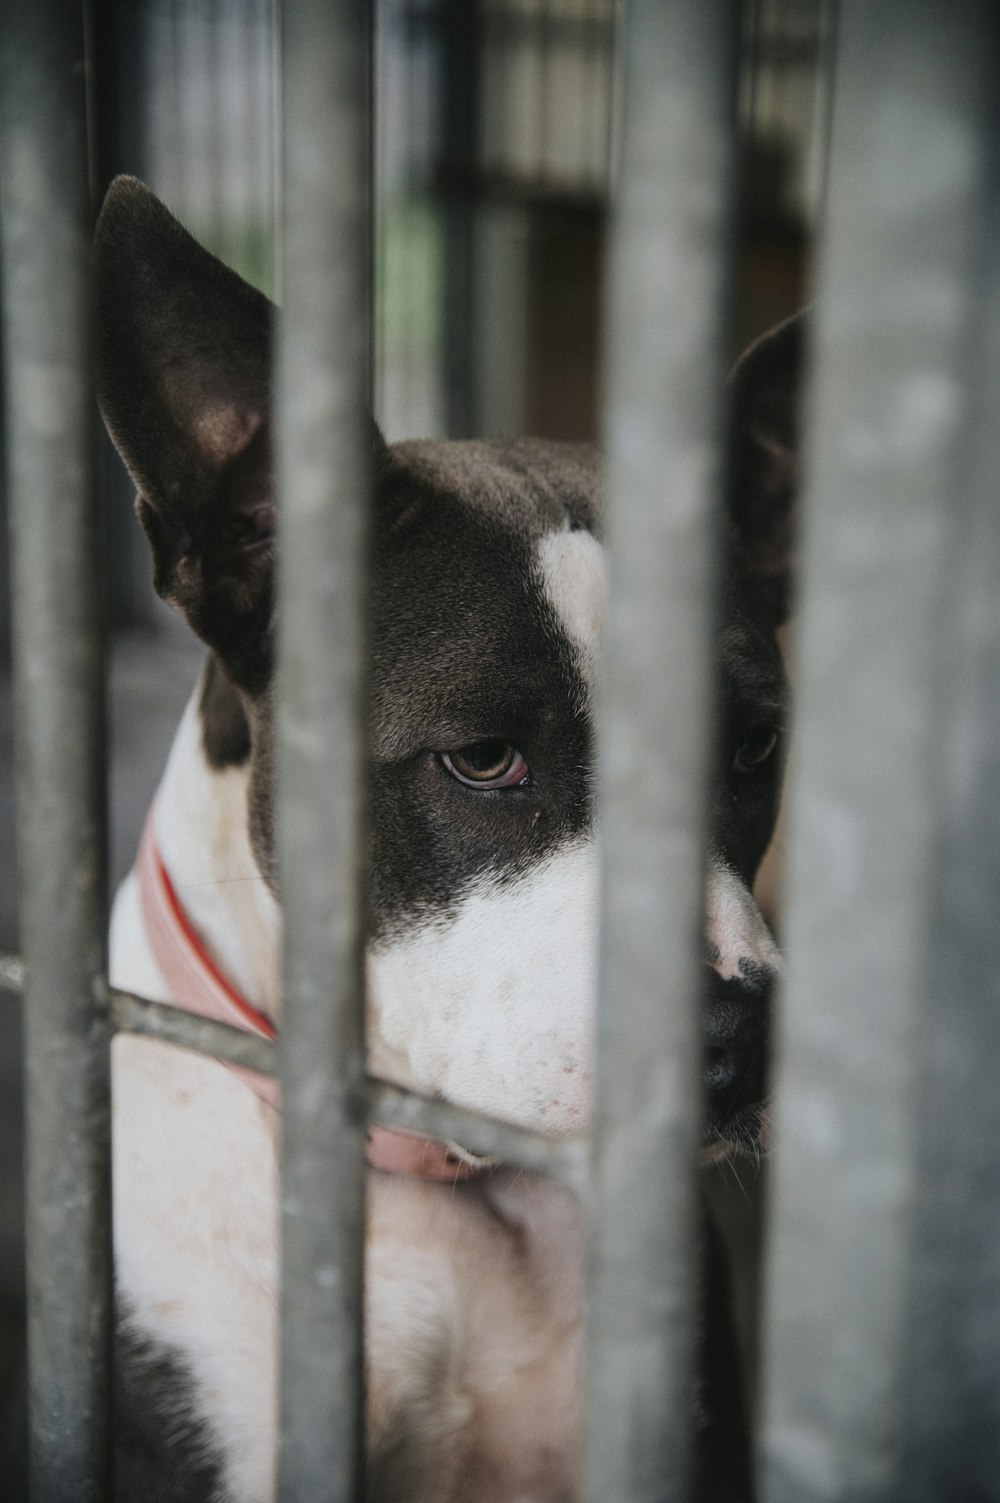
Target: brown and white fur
(487, 605)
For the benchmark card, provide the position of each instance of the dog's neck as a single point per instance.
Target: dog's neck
(201, 824)
(207, 916)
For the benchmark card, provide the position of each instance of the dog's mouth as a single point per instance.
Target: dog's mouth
(736, 1115)
(745, 1131)
(737, 1019)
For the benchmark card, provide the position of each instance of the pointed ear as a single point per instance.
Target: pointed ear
(765, 395)
(184, 361)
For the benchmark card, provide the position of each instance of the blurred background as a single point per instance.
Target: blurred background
(494, 152)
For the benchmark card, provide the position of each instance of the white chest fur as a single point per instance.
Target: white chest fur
(473, 1293)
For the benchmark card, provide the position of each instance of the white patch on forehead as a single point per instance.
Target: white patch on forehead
(734, 925)
(494, 1009)
(574, 574)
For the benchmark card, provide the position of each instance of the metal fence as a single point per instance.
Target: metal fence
(883, 1325)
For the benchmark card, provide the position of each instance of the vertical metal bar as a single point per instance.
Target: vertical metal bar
(951, 1354)
(116, 97)
(323, 468)
(58, 641)
(461, 50)
(668, 299)
(896, 303)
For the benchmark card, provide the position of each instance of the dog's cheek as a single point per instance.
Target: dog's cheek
(494, 1008)
(261, 791)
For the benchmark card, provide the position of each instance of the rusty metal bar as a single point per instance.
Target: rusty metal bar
(668, 299)
(324, 452)
(885, 502)
(59, 674)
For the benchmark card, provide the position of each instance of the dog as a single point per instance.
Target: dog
(487, 599)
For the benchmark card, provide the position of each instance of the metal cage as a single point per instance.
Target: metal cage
(883, 1293)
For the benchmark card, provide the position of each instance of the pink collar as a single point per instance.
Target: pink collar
(196, 984)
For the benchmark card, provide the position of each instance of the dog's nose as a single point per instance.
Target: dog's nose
(737, 1021)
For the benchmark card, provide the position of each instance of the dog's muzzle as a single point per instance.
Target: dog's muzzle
(737, 1026)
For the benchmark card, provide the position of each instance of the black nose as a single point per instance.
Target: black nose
(737, 1023)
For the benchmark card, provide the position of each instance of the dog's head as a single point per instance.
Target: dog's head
(487, 600)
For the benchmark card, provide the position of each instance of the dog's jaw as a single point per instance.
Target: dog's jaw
(493, 1008)
(490, 1002)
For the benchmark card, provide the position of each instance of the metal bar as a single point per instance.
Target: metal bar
(58, 643)
(668, 299)
(127, 1013)
(12, 973)
(896, 303)
(388, 1105)
(158, 1020)
(323, 468)
(391, 1106)
(566, 1160)
(951, 1352)
(459, 151)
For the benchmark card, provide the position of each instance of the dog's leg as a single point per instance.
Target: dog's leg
(163, 1453)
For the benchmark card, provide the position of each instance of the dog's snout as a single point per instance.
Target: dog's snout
(737, 1023)
(737, 1015)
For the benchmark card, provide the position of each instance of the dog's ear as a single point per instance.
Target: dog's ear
(765, 395)
(184, 361)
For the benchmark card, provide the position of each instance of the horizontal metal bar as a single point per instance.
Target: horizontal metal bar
(128, 1013)
(387, 1105)
(59, 735)
(885, 476)
(567, 1160)
(666, 388)
(158, 1020)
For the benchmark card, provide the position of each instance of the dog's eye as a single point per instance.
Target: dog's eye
(755, 748)
(487, 764)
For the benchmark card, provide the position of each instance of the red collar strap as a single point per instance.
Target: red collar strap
(196, 984)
